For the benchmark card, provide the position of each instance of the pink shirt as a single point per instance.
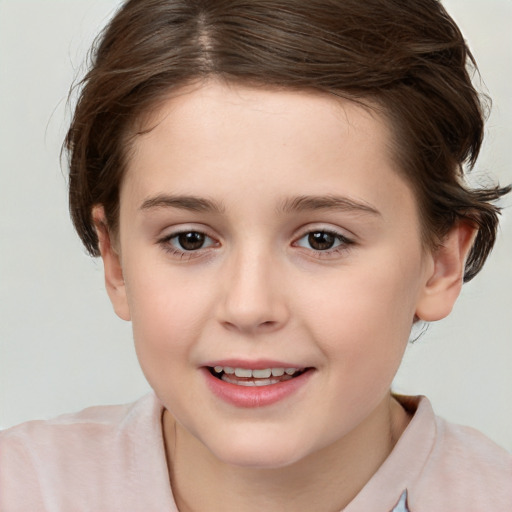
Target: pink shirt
(111, 458)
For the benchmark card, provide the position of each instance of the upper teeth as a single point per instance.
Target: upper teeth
(258, 374)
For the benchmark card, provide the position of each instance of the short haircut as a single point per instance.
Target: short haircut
(405, 58)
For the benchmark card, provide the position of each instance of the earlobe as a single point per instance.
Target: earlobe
(114, 279)
(444, 283)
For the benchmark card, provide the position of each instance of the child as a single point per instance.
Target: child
(276, 191)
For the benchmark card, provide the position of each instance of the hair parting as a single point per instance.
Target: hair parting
(406, 59)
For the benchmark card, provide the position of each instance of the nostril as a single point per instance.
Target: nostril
(266, 326)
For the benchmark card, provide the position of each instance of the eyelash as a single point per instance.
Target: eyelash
(183, 253)
(343, 245)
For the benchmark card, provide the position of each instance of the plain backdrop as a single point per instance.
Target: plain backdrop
(61, 346)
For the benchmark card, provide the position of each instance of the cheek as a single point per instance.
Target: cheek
(367, 314)
(159, 295)
(168, 314)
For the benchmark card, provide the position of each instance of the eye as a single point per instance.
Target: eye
(188, 241)
(322, 240)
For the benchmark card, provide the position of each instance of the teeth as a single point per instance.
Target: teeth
(262, 374)
(247, 373)
(254, 383)
(243, 372)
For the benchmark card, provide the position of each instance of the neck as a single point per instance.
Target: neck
(326, 480)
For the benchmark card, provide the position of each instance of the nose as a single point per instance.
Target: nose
(254, 298)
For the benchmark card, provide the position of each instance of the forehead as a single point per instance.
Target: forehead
(227, 138)
(205, 107)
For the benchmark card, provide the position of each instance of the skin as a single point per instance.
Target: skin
(258, 289)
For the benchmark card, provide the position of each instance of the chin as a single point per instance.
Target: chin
(258, 460)
(261, 454)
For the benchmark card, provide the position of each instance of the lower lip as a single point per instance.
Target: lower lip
(255, 396)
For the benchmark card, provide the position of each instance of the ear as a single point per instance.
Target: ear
(444, 281)
(114, 280)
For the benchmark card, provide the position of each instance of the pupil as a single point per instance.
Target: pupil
(321, 241)
(191, 241)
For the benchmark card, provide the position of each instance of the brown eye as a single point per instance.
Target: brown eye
(190, 241)
(321, 240)
(187, 244)
(328, 242)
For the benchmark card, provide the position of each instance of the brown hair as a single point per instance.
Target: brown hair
(406, 56)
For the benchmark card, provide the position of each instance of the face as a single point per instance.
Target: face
(263, 231)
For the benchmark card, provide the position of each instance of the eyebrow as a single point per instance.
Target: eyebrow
(329, 202)
(190, 203)
(289, 205)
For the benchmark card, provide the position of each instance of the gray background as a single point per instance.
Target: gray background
(61, 346)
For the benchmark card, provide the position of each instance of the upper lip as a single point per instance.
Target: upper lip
(259, 364)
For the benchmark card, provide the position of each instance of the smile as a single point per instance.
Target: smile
(257, 384)
(255, 377)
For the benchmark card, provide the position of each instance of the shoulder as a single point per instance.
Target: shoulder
(470, 448)
(465, 471)
(67, 435)
(99, 448)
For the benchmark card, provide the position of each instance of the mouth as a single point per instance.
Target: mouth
(255, 377)
(243, 386)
